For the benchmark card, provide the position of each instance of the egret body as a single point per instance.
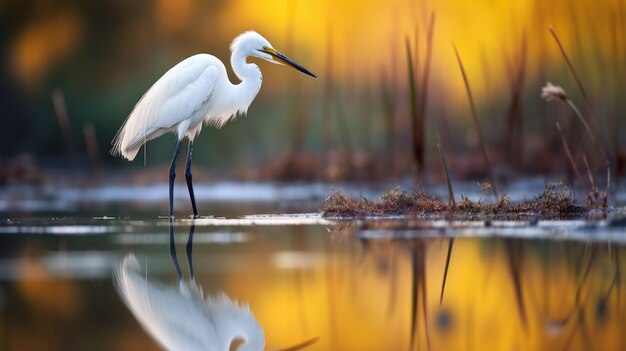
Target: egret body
(182, 318)
(194, 93)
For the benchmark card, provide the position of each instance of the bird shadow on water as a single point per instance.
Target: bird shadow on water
(182, 318)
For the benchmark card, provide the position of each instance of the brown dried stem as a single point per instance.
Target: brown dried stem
(571, 159)
(571, 68)
(418, 146)
(444, 167)
(422, 102)
(476, 124)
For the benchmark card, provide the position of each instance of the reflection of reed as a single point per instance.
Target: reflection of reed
(515, 259)
(301, 245)
(331, 297)
(418, 293)
(577, 313)
(469, 327)
(528, 294)
(393, 275)
(445, 271)
(617, 279)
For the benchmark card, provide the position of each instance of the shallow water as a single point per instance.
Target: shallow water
(542, 285)
(304, 277)
(238, 197)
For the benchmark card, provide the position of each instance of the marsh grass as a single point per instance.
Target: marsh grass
(554, 92)
(418, 154)
(579, 83)
(452, 204)
(444, 168)
(474, 114)
(327, 107)
(60, 111)
(591, 113)
(418, 90)
(514, 135)
(421, 114)
(556, 200)
(570, 159)
(389, 112)
(91, 144)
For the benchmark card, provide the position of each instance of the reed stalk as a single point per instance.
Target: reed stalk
(476, 123)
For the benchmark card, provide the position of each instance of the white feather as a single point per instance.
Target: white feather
(179, 318)
(181, 94)
(194, 93)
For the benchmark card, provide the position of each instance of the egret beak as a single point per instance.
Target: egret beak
(303, 344)
(286, 60)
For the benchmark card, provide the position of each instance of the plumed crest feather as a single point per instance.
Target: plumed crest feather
(248, 36)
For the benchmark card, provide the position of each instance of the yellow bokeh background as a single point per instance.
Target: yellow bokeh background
(367, 37)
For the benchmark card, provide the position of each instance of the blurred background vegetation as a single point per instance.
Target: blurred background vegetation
(71, 71)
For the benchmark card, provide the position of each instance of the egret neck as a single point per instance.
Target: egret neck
(250, 76)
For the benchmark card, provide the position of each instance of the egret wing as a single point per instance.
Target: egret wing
(173, 99)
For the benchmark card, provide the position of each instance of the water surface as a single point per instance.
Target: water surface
(354, 289)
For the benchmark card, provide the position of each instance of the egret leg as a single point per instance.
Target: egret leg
(173, 177)
(173, 251)
(190, 251)
(188, 178)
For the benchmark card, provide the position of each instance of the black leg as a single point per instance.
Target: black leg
(188, 178)
(173, 177)
(173, 250)
(190, 251)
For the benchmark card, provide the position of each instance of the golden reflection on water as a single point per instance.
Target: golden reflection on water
(303, 282)
(500, 295)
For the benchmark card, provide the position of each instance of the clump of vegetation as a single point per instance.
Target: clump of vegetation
(339, 205)
(554, 200)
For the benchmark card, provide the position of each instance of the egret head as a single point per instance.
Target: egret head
(254, 44)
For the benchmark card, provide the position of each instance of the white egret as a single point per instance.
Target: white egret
(194, 93)
(180, 318)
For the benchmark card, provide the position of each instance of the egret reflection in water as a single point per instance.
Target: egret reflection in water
(182, 318)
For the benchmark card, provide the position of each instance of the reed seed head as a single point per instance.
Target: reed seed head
(553, 92)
